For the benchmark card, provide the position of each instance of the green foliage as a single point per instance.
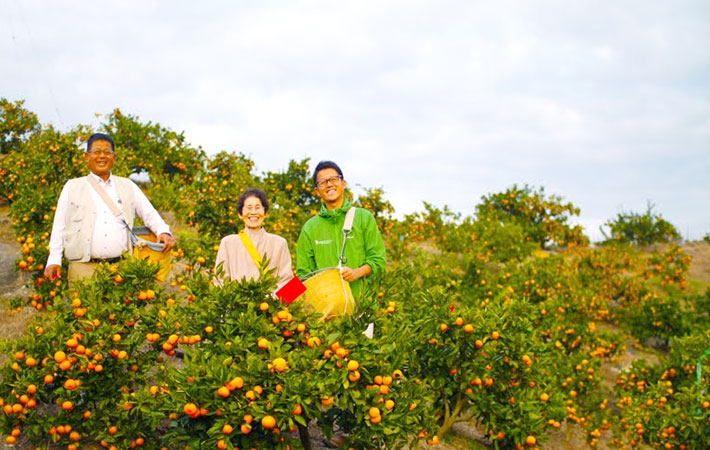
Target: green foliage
(499, 318)
(151, 148)
(544, 218)
(640, 229)
(216, 191)
(16, 125)
(293, 199)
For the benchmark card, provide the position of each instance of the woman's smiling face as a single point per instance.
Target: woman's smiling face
(253, 214)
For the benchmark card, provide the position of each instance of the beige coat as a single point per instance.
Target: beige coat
(238, 263)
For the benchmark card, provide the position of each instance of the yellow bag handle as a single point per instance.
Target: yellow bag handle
(246, 240)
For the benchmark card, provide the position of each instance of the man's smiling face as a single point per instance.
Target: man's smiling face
(330, 187)
(100, 158)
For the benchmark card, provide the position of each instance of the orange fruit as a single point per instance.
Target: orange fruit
(60, 356)
(495, 335)
(67, 405)
(374, 412)
(245, 428)
(268, 422)
(468, 328)
(227, 429)
(544, 397)
(279, 364)
(248, 418)
(353, 365)
(297, 410)
(327, 401)
(235, 383)
(530, 441)
(262, 343)
(191, 409)
(376, 419)
(223, 392)
(31, 389)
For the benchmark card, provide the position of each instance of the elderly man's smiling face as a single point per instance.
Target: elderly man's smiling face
(100, 158)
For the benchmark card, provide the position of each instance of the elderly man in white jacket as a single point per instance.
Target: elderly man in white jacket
(85, 229)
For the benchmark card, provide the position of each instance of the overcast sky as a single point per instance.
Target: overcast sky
(606, 103)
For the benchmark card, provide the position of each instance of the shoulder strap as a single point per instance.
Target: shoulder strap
(246, 240)
(104, 195)
(347, 228)
(349, 218)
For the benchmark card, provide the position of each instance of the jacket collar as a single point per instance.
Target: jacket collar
(328, 213)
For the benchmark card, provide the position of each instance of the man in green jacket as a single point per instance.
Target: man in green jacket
(321, 238)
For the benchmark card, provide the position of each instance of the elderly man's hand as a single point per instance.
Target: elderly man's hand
(52, 272)
(168, 240)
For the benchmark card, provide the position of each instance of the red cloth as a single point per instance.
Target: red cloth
(291, 290)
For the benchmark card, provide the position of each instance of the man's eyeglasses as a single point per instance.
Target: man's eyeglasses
(324, 182)
(100, 153)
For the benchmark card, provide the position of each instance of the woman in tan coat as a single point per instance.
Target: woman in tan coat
(234, 255)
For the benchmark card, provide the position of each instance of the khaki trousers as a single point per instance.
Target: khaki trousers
(81, 270)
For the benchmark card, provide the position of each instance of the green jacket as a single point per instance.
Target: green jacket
(321, 240)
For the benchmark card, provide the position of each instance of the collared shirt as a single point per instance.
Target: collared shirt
(104, 241)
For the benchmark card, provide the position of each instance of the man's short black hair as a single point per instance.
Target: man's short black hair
(325, 165)
(253, 192)
(99, 137)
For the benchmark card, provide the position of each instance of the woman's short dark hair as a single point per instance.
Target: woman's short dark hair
(325, 165)
(99, 137)
(253, 192)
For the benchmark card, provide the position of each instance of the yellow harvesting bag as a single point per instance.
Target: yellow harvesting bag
(142, 250)
(327, 293)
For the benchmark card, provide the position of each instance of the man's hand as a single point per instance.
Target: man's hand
(52, 272)
(168, 240)
(350, 275)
